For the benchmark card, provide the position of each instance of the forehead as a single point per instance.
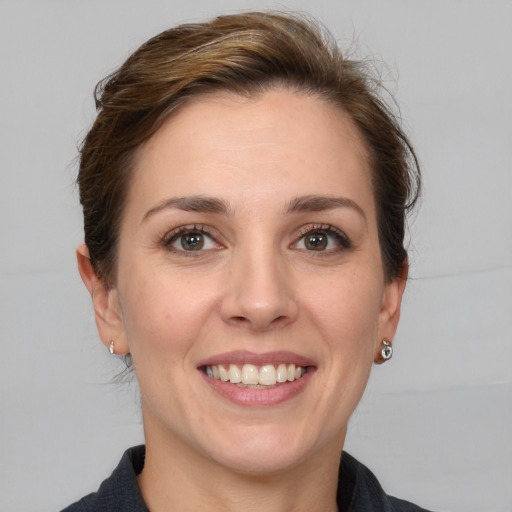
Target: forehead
(276, 143)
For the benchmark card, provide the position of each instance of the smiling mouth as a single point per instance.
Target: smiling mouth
(255, 377)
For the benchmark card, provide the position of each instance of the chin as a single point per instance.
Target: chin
(261, 463)
(260, 451)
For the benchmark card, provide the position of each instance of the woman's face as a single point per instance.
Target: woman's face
(249, 244)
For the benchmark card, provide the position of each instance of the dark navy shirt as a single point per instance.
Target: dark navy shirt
(358, 489)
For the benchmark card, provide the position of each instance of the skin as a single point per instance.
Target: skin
(255, 286)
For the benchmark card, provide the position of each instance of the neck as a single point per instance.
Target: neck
(177, 478)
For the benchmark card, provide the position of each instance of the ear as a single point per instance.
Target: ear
(107, 310)
(390, 311)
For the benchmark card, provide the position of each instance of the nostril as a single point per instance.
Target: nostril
(239, 319)
(279, 319)
(258, 325)
(259, 311)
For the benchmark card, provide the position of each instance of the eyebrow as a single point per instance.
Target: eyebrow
(322, 203)
(192, 204)
(302, 204)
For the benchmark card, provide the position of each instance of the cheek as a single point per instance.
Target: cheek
(348, 306)
(151, 315)
(347, 313)
(163, 314)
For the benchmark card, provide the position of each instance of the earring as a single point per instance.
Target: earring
(111, 347)
(387, 351)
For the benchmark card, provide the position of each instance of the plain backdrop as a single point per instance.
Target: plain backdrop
(436, 422)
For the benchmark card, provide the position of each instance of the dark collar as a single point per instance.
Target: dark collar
(358, 489)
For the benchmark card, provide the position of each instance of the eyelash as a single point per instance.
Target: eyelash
(175, 234)
(342, 240)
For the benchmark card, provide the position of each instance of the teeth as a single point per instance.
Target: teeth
(235, 376)
(251, 375)
(268, 375)
(291, 372)
(224, 375)
(282, 373)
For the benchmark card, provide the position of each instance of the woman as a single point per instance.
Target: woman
(244, 195)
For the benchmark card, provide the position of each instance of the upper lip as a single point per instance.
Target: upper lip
(242, 357)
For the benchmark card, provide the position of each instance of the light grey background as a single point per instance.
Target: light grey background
(436, 422)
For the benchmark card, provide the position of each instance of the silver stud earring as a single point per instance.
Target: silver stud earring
(111, 347)
(387, 351)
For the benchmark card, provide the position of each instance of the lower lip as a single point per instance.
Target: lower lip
(250, 397)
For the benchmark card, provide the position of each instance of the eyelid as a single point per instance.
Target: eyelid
(341, 237)
(171, 236)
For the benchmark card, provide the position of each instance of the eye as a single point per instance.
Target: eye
(189, 239)
(316, 241)
(322, 238)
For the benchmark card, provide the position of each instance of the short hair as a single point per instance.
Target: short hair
(245, 54)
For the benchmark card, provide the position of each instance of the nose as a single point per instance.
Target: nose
(259, 292)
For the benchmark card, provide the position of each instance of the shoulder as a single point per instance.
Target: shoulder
(360, 491)
(119, 491)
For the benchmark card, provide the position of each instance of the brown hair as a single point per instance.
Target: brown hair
(243, 53)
